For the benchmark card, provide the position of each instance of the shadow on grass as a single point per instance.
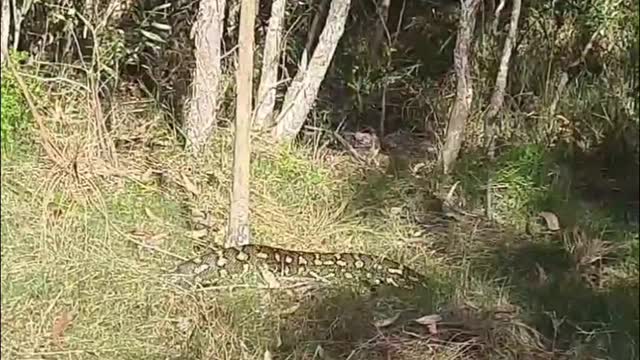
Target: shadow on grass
(563, 305)
(337, 321)
(583, 303)
(340, 323)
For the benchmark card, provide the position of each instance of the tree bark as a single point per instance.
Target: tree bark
(314, 27)
(239, 231)
(19, 14)
(4, 31)
(497, 98)
(381, 31)
(202, 110)
(302, 92)
(464, 88)
(266, 99)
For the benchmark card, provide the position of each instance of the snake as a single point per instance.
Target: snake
(218, 262)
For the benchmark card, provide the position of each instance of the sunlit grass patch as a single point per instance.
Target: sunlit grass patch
(84, 258)
(76, 267)
(289, 178)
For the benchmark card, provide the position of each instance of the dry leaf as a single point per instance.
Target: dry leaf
(542, 275)
(197, 234)
(197, 213)
(428, 319)
(199, 218)
(290, 310)
(155, 240)
(137, 232)
(433, 329)
(551, 219)
(386, 322)
(417, 167)
(147, 176)
(319, 353)
(418, 233)
(267, 355)
(184, 324)
(60, 325)
(449, 198)
(147, 237)
(190, 186)
(431, 322)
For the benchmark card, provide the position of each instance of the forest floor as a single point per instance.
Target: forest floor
(83, 253)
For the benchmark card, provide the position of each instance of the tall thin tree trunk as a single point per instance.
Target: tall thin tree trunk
(464, 88)
(302, 92)
(4, 30)
(314, 27)
(239, 231)
(19, 14)
(377, 44)
(497, 98)
(202, 110)
(266, 99)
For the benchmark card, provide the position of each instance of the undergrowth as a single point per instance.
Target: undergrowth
(83, 256)
(15, 116)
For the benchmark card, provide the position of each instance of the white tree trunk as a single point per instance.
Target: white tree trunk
(497, 98)
(4, 31)
(201, 114)
(464, 87)
(266, 99)
(314, 26)
(302, 92)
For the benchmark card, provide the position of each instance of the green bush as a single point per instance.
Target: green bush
(16, 117)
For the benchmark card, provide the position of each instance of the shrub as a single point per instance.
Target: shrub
(15, 115)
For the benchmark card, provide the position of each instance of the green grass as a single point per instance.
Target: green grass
(61, 254)
(16, 119)
(66, 250)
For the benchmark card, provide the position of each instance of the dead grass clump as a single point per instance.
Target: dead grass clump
(590, 255)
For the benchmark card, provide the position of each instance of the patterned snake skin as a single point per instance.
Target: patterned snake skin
(219, 262)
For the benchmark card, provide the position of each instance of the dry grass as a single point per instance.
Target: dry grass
(83, 255)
